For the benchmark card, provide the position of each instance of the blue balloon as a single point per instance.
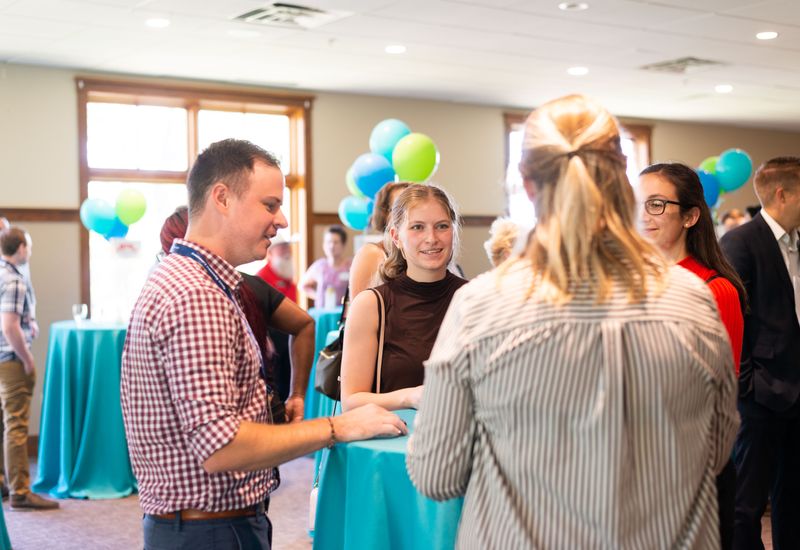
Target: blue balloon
(98, 215)
(371, 172)
(353, 211)
(710, 187)
(733, 169)
(385, 136)
(370, 207)
(118, 230)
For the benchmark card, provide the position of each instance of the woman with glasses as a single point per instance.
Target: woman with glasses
(676, 219)
(582, 395)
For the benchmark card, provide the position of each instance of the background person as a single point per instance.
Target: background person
(278, 272)
(506, 238)
(17, 365)
(331, 272)
(583, 395)
(767, 452)
(364, 269)
(676, 219)
(422, 237)
(193, 400)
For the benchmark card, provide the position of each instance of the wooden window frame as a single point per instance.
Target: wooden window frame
(193, 98)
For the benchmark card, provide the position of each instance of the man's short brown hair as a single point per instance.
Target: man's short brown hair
(779, 171)
(11, 239)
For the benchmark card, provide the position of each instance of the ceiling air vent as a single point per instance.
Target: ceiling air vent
(682, 65)
(292, 16)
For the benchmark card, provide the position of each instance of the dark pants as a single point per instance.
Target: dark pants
(244, 533)
(767, 457)
(726, 495)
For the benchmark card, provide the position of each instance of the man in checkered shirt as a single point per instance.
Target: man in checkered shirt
(17, 366)
(195, 407)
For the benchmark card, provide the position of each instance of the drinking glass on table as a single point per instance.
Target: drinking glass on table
(80, 312)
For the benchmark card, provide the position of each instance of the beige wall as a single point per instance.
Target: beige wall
(39, 166)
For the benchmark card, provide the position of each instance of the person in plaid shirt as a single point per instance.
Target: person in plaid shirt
(17, 366)
(195, 408)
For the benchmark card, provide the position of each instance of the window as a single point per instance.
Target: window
(635, 141)
(136, 136)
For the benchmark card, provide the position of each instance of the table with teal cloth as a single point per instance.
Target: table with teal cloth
(326, 320)
(82, 448)
(366, 500)
(5, 543)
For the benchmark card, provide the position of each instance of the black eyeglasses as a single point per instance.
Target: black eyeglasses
(656, 207)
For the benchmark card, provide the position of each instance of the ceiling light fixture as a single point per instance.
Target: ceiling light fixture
(395, 49)
(723, 88)
(577, 71)
(573, 6)
(767, 35)
(157, 23)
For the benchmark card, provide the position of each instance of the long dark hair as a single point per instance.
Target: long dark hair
(701, 239)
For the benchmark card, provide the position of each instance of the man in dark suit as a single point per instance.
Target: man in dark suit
(767, 451)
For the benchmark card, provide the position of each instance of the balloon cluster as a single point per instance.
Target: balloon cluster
(113, 221)
(724, 173)
(396, 154)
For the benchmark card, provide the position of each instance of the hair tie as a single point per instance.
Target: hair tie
(572, 154)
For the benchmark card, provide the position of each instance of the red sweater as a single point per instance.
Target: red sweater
(730, 310)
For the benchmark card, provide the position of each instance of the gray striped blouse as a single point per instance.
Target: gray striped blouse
(579, 426)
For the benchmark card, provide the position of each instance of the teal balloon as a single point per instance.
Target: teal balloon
(354, 212)
(415, 158)
(118, 229)
(385, 136)
(371, 172)
(733, 169)
(350, 182)
(710, 187)
(97, 215)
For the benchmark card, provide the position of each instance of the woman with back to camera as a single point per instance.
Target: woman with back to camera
(421, 238)
(675, 218)
(583, 395)
(368, 259)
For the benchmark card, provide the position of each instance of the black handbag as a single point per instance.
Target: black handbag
(329, 362)
(327, 380)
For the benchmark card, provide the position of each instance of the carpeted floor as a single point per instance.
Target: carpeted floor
(116, 524)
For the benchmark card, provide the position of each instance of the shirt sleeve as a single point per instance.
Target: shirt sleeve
(730, 311)
(269, 298)
(202, 334)
(439, 459)
(12, 299)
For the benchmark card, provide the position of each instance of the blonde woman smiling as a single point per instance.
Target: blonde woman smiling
(422, 235)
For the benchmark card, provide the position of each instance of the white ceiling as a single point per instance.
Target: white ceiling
(512, 53)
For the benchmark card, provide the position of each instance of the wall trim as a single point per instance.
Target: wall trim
(330, 218)
(41, 214)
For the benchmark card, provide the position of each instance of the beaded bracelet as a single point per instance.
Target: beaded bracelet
(333, 433)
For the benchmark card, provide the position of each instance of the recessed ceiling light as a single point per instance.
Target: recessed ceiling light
(573, 6)
(577, 71)
(157, 23)
(767, 35)
(723, 88)
(395, 49)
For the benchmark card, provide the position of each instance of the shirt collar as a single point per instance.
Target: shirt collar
(226, 271)
(780, 233)
(13, 267)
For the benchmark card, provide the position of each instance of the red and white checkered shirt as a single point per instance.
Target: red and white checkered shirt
(190, 376)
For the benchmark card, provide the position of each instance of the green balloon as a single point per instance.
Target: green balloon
(415, 158)
(130, 206)
(709, 165)
(351, 184)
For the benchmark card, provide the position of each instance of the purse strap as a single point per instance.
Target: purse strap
(381, 333)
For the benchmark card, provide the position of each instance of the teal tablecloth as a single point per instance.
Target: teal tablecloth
(327, 320)
(5, 543)
(82, 448)
(366, 500)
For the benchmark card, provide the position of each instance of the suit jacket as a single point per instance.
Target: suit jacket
(770, 366)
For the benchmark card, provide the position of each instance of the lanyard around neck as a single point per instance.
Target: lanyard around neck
(192, 254)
